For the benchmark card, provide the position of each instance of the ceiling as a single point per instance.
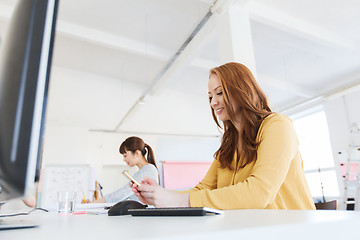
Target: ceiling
(110, 55)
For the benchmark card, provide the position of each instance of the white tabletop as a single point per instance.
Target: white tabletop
(242, 224)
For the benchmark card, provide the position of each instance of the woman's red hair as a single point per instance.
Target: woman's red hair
(242, 96)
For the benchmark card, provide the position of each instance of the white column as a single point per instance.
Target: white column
(235, 39)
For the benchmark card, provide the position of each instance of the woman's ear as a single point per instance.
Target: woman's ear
(138, 153)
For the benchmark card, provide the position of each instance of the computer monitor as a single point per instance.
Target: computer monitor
(24, 76)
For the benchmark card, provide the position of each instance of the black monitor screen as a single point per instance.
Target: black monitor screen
(24, 75)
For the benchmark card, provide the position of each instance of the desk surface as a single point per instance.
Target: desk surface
(254, 224)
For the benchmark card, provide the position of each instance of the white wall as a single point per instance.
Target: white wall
(65, 144)
(88, 100)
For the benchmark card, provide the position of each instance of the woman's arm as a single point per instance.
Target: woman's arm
(125, 192)
(151, 193)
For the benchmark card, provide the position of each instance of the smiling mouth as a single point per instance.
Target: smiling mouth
(219, 110)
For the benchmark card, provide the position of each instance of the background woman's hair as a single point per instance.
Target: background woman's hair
(135, 143)
(241, 94)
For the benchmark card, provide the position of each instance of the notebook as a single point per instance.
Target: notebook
(93, 206)
(97, 211)
(178, 211)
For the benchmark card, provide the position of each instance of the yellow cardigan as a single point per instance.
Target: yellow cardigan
(276, 180)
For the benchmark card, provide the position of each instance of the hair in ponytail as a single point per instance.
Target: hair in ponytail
(150, 155)
(135, 143)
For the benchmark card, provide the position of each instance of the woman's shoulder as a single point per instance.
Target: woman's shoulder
(276, 117)
(149, 168)
(275, 122)
(151, 171)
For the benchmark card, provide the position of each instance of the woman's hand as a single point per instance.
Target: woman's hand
(85, 201)
(150, 193)
(100, 200)
(30, 201)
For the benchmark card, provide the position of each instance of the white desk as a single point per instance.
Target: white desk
(235, 224)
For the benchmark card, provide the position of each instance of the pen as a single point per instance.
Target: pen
(84, 197)
(100, 188)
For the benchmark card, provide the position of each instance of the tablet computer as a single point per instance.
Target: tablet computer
(177, 211)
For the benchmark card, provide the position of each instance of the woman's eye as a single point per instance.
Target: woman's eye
(219, 93)
(210, 98)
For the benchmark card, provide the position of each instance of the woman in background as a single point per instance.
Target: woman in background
(258, 164)
(136, 153)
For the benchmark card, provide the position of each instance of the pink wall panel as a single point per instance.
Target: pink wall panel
(184, 175)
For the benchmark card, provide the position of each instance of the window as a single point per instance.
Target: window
(313, 134)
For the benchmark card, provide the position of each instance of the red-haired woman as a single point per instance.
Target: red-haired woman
(258, 164)
(136, 153)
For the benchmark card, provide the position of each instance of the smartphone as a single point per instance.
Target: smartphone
(126, 173)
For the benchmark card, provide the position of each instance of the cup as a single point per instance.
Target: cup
(66, 202)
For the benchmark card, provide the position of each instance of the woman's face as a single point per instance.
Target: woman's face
(130, 158)
(216, 98)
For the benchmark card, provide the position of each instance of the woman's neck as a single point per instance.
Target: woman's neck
(142, 163)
